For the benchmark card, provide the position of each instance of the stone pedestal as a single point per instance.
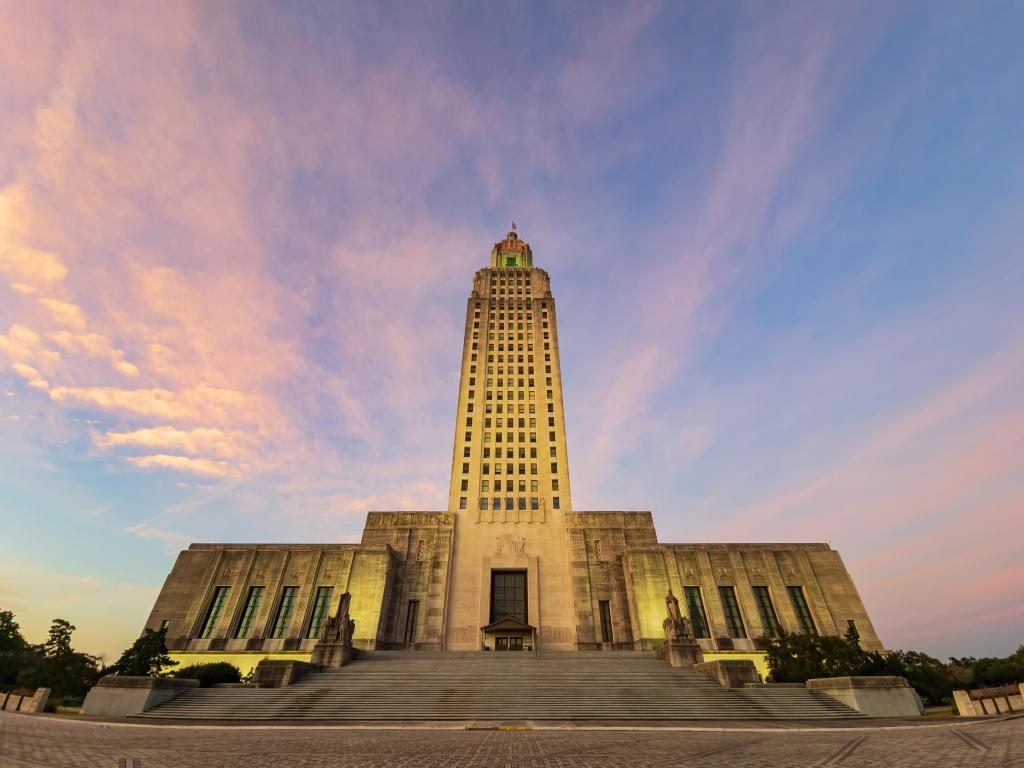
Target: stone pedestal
(331, 654)
(681, 653)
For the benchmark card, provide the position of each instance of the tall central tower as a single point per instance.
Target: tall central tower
(510, 471)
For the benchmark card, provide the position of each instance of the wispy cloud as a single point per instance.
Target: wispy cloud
(230, 284)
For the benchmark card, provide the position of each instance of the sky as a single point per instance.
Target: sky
(785, 241)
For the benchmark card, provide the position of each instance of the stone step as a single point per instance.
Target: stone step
(433, 685)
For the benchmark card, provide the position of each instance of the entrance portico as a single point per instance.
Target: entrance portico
(508, 634)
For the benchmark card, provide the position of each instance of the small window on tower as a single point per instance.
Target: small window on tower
(555, 503)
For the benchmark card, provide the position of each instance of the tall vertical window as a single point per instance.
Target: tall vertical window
(508, 595)
(410, 621)
(731, 609)
(695, 607)
(606, 621)
(252, 607)
(769, 620)
(851, 629)
(284, 612)
(220, 597)
(321, 609)
(803, 613)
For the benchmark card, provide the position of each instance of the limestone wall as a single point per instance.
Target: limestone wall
(615, 556)
(188, 593)
(422, 547)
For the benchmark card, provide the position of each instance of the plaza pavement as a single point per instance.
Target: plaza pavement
(55, 742)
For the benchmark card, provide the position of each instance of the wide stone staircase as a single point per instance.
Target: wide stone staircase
(422, 685)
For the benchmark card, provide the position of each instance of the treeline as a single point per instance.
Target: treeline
(69, 674)
(798, 658)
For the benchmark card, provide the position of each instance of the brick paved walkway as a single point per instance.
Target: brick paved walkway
(34, 741)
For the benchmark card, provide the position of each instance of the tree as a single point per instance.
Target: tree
(799, 658)
(146, 656)
(15, 653)
(996, 671)
(57, 666)
(932, 679)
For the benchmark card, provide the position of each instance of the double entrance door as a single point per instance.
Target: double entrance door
(508, 643)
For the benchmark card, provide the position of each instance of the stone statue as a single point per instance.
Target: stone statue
(676, 626)
(680, 648)
(334, 647)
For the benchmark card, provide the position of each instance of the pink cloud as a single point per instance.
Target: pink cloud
(205, 467)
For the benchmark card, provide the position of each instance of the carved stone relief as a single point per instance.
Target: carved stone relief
(509, 543)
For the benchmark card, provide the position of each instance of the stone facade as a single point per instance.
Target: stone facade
(589, 580)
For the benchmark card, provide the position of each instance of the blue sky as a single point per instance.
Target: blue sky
(784, 239)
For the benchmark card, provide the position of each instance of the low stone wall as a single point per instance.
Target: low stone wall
(12, 702)
(990, 701)
(246, 661)
(877, 696)
(732, 673)
(758, 658)
(123, 695)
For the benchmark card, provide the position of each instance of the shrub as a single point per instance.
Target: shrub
(210, 674)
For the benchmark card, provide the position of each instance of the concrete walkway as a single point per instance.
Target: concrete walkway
(37, 741)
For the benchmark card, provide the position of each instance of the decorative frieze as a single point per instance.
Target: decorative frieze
(410, 520)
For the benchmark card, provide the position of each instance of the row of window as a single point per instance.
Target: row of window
(501, 371)
(510, 453)
(485, 485)
(734, 619)
(488, 382)
(521, 502)
(511, 467)
(499, 422)
(510, 347)
(518, 395)
(478, 304)
(282, 618)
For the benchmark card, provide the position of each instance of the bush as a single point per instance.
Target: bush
(210, 674)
